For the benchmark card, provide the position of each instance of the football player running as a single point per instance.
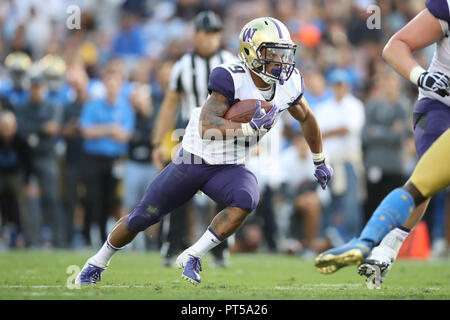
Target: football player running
(215, 166)
(379, 243)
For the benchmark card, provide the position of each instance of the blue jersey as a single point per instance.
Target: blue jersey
(14, 97)
(99, 112)
(96, 90)
(61, 98)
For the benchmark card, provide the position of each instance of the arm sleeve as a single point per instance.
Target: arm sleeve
(222, 82)
(439, 8)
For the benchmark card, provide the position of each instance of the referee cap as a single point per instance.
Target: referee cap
(208, 21)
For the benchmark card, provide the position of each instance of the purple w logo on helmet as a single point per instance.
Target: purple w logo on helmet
(248, 34)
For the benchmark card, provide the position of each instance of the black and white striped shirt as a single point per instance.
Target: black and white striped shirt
(189, 77)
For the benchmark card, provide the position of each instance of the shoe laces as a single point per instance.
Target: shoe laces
(196, 264)
(96, 275)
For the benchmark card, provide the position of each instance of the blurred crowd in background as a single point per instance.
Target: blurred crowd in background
(63, 187)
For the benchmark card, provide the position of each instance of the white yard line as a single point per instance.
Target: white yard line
(62, 287)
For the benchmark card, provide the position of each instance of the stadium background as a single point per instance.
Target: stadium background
(143, 39)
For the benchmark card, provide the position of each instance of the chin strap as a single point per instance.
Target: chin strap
(263, 77)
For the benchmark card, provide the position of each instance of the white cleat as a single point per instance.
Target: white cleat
(377, 265)
(182, 259)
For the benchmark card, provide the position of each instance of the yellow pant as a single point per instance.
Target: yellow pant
(432, 173)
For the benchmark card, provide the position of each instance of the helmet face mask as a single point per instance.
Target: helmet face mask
(275, 61)
(267, 50)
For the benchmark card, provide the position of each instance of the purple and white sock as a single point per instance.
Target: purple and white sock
(206, 242)
(104, 255)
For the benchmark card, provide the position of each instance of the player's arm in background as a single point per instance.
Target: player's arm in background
(422, 31)
(311, 131)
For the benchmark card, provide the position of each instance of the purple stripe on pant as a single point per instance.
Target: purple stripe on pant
(432, 118)
(229, 185)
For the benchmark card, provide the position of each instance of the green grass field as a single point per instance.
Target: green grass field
(43, 275)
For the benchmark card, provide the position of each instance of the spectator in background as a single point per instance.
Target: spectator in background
(317, 90)
(162, 30)
(267, 171)
(384, 135)
(14, 90)
(129, 42)
(341, 120)
(38, 125)
(299, 187)
(15, 172)
(38, 30)
(75, 158)
(160, 84)
(357, 30)
(139, 170)
(58, 91)
(106, 125)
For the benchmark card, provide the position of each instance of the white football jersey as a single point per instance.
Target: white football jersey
(233, 80)
(441, 58)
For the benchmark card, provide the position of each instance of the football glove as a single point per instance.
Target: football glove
(261, 121)
(437, 82)
(323, 173)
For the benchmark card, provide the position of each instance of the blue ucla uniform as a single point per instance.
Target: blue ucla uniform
(13, 97)
(431, 115)
(62, 97)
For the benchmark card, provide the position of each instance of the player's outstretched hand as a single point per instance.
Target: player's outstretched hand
(323, 173)
(261, 121)
(437, 82)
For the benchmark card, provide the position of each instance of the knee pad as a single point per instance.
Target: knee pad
(245, 199)
(141, 218)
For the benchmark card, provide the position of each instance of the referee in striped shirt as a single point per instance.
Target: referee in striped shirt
(188, 88)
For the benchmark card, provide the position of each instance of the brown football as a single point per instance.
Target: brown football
(244, 110)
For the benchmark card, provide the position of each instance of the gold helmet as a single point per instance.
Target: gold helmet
(267, 40)
(18, 61)
(53, 66)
